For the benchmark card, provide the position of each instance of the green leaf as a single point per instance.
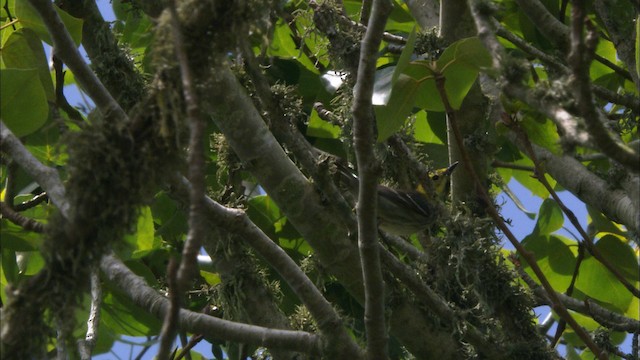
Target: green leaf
(211, 278)
(30, 18)
(550, 218)
(123, 317)
(171, 220)
(9, 266)
(620, 255)
(284, 47)
(459, 78)
(23, 105)
(542, 132)
(400, 18)
(13, 241)
(320, 128)
(391, 117)
(602, 224)
(30, 263)
(469, 52)
(145, 239)
(23, 50)
(422, 72)
(459, 64)
(430, 127)
(595, 281)
(266, 214)
(556, 257)
(405, 56)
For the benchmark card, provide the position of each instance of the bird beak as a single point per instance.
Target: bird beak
(451, 168)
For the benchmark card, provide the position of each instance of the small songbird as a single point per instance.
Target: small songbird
(403, 212)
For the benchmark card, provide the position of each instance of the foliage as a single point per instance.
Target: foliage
(275, 82)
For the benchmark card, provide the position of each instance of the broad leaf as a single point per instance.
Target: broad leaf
(23, 50)
(23, 105)
(31, 19)
(550, 218)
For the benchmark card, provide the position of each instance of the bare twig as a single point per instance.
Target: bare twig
(180, 275)
(195, 160)
(603, 316)
(33, 202)
(579, 59)
(47, 177)
(85, 347)
(171, 317)
(363, 137)
(66, 50)
(20, 220)
(61, 100)
(491, 210)
(586, 239)
(506, 165)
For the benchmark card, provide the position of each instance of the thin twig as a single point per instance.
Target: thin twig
(196, 160)
(506, 165)
(363, 138)
(67, 50)
(61, 100)
(85, 347)
(33, 202)
(491, 210)
(47, 177)
(603, 316)
(172, 316)
(579, 60)
(586, 239)
(20, 220)
(181, 275)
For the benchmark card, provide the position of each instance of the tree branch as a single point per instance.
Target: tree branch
(85, 347)
(237, 222)
(47, 177)
(566, 170)
(579, 59)
(66, 50)
(603, 316)
(363, 137)
(20, 220)
(529, 257)
(549, 26)
(147, 298)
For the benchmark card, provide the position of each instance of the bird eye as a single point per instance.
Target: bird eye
(435, 177)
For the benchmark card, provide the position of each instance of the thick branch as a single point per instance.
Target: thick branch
(147, 298)
(236, 221)
(47, 177)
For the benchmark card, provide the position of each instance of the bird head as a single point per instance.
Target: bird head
(439, 181)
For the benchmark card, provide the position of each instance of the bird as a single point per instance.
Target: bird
(402, 212)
